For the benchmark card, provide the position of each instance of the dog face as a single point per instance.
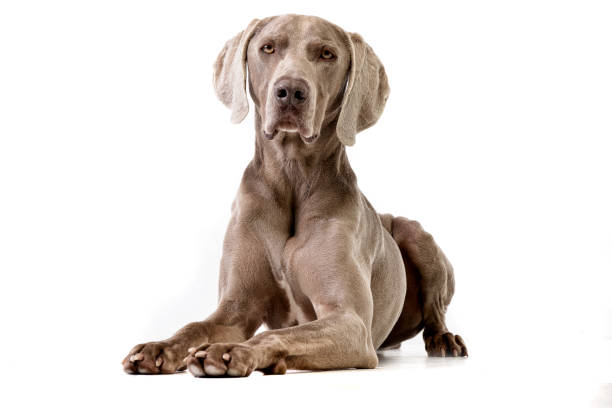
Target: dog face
(304, 74)
(298, 68)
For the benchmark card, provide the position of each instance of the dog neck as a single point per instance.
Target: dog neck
(288, 162)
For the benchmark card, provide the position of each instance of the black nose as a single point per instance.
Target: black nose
(291, 91)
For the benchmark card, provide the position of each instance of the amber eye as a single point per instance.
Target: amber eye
(268, 49)
(327, 55)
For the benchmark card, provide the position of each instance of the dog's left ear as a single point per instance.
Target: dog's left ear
(229, 73)
(366, 92)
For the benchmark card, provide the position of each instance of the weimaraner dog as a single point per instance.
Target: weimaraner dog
(305, 252)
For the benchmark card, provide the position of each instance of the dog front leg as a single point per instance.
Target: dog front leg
(230, 322)
(339, 340)
(245, 275)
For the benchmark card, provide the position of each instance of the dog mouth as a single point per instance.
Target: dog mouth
(290, 126)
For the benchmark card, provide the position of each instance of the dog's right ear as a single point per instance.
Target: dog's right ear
(229, 73)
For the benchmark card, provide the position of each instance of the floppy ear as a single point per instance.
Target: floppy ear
(229, 73)
(366, 92)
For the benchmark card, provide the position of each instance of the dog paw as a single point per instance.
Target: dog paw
(220, 359)
(445, 345)
(158, 357)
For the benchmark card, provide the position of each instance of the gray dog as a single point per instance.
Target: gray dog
(305, 252)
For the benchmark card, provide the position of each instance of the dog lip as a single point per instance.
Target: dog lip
(310, 139)
(270, 136)
(289, 125)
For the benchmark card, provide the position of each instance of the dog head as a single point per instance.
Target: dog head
(305, 74)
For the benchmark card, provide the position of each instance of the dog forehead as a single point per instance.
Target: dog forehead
(296, 29)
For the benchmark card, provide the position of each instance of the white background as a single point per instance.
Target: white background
(118, 167)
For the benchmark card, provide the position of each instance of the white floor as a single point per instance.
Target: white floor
(573, 373)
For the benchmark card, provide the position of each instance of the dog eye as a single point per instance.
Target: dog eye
(268, 49)
(327, 55)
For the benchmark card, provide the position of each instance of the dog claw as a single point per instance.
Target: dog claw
(191, 350)
(201, 354)
(226, 357)
(159, 361)
(137, 357)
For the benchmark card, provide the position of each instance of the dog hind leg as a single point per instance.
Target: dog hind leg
(436, 284)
